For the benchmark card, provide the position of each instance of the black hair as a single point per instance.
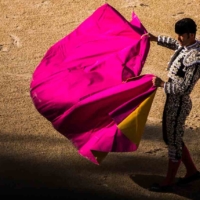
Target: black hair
(185, 25)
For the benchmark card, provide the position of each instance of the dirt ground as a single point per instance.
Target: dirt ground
(35, 160)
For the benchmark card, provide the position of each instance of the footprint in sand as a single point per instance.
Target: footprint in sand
(43, 4)
(142, 4)
(16, 41)
(179, 13)
(130, 3)
(153, 151)
(5, 47)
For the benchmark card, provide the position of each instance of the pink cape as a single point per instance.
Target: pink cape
(88, 85)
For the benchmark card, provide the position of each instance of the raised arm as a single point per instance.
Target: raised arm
(163, 41)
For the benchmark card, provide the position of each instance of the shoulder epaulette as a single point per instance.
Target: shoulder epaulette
(192, 57)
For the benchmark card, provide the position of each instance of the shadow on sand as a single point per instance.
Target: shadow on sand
(36, 173)
(190, 191)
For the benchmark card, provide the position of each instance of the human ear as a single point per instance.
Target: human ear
(192, 35)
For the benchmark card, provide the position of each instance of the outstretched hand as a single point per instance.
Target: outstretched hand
(145, 35)
(158, 82)
(152, 37)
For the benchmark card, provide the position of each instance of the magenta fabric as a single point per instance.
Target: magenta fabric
(84, 85)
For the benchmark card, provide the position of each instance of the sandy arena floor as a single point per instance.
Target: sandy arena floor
(37, 161)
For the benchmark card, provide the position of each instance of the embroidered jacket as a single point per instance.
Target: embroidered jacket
(184, 66)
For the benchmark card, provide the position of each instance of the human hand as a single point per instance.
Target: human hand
(158, 82)
(152, 37)
(145, 35)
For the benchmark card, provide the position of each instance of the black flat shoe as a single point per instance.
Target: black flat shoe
(158, 188)
(185, 181)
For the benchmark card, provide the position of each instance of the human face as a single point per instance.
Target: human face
(186, 39)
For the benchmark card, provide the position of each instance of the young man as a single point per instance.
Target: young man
(183, 73)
